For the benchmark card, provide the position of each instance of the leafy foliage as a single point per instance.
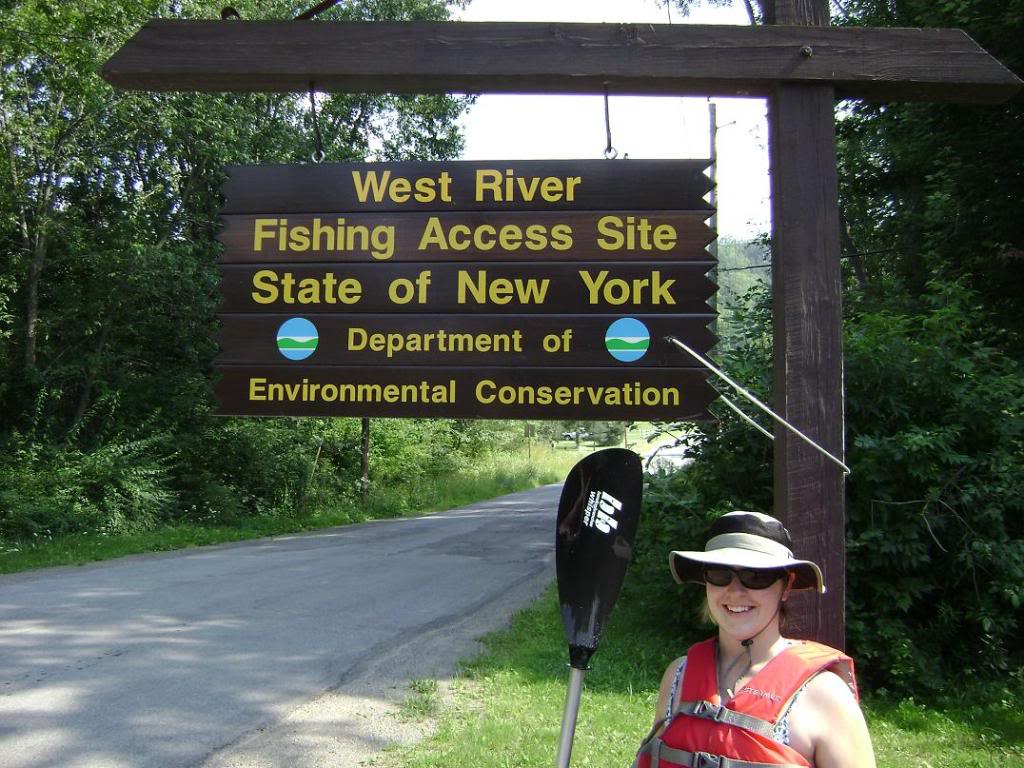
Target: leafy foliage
(935, 504)
(928, 190)
(936, 499)
(108, 218)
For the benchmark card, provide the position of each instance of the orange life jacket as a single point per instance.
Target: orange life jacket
(703, 733)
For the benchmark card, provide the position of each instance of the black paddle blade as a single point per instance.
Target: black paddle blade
(597, 518)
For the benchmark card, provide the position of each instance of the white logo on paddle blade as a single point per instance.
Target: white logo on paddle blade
(600, 511)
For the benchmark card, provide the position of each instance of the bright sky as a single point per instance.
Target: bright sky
(502, 127)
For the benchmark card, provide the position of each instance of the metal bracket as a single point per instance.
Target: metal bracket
(227, 12)
(317, 9)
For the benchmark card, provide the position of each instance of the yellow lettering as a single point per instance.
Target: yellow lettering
(370, 186)
(561, 237)
(257, 389)
(298, 239)
(501, 290)
(433, 234)
(592, 285)
(618, 291)
(264, 283)
(400, 190)
(260, 233)
(309, 291)
(426, 191)
(478, 289)
(488, 181)
(356, 339)
(320, 233)
(350, 290)
(606, 227)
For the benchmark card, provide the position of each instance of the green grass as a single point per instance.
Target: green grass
(498, 475)
(495, 476)
(422, 700)
(508, 706)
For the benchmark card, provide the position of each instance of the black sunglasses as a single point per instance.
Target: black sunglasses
(721, 576)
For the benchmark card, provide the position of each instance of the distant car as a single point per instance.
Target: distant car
(572, 435)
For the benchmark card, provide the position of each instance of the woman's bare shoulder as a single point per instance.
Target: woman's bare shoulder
(829, 692)
(828, 723)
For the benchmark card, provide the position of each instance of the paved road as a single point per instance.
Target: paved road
(163, 660)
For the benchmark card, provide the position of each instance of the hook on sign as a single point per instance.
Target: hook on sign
(610, 152)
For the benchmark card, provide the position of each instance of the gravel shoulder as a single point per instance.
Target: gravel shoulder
(354, 722)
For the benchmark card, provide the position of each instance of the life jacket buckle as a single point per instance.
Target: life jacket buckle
(706, 760)
(711, 711)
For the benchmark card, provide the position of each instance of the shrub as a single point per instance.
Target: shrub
(935, 530)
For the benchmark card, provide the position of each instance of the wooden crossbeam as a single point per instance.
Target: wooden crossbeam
(493, 57)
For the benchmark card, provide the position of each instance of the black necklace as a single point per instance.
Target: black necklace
(723, 674)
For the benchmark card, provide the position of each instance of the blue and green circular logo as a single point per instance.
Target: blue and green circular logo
(297, 338)
(627, 339)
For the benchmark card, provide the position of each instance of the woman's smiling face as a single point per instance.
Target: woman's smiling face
(743, 612)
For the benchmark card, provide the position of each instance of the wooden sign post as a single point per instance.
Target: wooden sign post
(807, 345)
(796, 61)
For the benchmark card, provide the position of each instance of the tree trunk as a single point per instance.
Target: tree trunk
(35, 269)
(85, 398)
(364, 481)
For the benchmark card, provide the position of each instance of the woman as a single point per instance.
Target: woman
(749, 697)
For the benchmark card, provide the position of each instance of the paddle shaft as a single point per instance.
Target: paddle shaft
(572, 709)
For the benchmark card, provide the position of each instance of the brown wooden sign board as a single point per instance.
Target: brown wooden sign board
(553, 276)
(461, 340)
(480, 236)
(501, 185)
(505, 393)
(630, 288)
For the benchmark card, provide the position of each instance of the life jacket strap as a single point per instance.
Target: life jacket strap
(720, 714)
(658, 751)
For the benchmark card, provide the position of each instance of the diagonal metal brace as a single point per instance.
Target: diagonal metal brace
(317, 9)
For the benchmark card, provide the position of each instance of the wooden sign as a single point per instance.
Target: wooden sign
(656, 288)
(466, 289)
(483, 393)
(468, 236)
(518, 185)
(581, 341)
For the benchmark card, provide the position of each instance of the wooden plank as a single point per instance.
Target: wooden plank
(663, 288)
(471, 236)
(481, 393)
(808, 352)
(495, 57)
(462, 185)
(462, 340)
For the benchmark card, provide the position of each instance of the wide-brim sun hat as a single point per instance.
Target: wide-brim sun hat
(746, 540)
